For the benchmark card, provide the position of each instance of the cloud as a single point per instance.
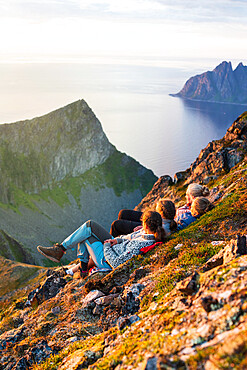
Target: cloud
(161, 28)
(138, 10)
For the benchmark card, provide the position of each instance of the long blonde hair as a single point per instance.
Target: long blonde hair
(200, 205)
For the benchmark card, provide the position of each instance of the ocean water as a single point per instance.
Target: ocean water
(132, 103)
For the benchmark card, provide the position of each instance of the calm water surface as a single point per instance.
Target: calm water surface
(132, 103)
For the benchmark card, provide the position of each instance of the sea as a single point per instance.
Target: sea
(132, 102)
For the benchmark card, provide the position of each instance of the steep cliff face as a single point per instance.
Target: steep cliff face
(223, 84)
(35, 153)
(58, 171)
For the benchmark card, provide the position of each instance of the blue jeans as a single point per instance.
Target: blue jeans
(90, 239)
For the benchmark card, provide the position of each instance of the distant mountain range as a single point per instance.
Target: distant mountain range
(223, 84)
(58, 171)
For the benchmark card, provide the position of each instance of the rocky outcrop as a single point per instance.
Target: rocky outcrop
(158, 191)
(221, 155)
(223, 84)
(204, 310)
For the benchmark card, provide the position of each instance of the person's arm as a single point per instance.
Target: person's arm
(115, 260)
(181, 225)
(111, 241)
(184, 222)
(114, 241)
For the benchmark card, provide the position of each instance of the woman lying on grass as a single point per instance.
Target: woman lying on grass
(107, 252)
(199, 206)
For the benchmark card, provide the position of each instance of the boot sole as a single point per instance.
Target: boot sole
(49, 257)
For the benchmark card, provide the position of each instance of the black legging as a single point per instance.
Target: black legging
(127, 220)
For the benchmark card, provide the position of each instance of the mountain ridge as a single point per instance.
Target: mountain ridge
(222, 85)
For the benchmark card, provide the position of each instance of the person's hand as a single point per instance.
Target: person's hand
(137, 228)
(111, 241)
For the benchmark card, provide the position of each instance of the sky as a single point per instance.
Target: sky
(75, 30)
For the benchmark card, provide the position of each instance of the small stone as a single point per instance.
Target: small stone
(210, 304)
(106, 300)
(92, 296)
(110, 338)
(107, 350)
(178, 246)
(89, 354)
(72, 339)
(217, 242)
(122, 322)
(209, 365)
(190, 285)
(150, 364)
(55, 310)
(213, 262)
(136, 289)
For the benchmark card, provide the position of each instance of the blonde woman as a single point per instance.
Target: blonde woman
(199, 207)
(194, 191)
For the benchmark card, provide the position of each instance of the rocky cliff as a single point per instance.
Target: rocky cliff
(223, 84)
(38, 152)
(182, 305)
(57, 171)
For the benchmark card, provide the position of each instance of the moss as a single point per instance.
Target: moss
(52, 363)
(122, 173)
(194, 361)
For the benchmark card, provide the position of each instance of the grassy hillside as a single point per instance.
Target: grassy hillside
(120, 172)
(173, 329)
(14, 275)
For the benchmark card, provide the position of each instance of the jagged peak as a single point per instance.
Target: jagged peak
(240, 67)
(223, 67)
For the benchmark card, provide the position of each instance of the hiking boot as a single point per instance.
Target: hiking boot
(54, 253)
